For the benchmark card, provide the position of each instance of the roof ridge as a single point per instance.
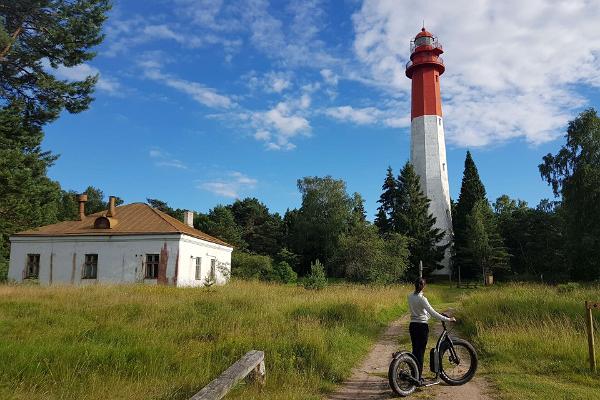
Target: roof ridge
(158, 212)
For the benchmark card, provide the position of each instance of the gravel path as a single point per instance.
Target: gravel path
(369, 380)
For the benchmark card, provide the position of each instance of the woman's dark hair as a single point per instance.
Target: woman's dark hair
(419, 285)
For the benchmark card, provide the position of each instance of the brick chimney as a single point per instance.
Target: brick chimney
(82, 198)
(112, 210)
(188, 218)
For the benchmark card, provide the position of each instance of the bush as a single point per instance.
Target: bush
(568, 287)
(3, 268)
(316, 279)
(251, 266)
(284, 273)
(366, 257)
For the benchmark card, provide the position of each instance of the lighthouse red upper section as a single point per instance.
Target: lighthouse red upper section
(424, 68)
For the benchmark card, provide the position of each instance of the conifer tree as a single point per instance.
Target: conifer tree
(37, 36)
(484, 246)
(386, 210)
(471, 191)
(412, 219)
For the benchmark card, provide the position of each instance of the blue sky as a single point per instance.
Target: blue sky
(202, 102)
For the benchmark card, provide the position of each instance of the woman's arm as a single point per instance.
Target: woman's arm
(434, 313)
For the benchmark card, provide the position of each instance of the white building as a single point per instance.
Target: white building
(125, 244)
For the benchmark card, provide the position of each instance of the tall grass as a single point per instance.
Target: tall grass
(532, 339)
(143, 342)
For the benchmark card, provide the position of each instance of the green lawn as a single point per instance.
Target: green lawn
(532, 339)
(143, 342)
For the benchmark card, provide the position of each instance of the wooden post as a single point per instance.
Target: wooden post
(590, 332)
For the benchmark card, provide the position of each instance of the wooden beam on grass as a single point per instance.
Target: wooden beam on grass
(252, 362)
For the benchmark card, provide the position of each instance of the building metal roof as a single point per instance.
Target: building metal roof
(133, 219)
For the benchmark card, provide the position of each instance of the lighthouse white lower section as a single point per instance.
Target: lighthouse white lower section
(428, 156)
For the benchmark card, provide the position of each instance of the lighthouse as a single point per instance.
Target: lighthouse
(428, 147)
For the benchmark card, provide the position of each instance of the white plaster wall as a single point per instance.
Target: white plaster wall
(192, 248)
(428, 156)
(120, 258)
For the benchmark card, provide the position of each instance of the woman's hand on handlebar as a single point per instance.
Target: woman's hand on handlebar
(452, 319)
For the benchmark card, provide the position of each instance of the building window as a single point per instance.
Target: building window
(439, 121)
(33, 266)
(436, 78)
(152, 266)
(198, 268)
(443, 166)
(90, 268)
(213, 269)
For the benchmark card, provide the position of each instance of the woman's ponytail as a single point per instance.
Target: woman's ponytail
(419, 285)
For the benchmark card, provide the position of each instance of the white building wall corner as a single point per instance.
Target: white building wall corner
(193, 252)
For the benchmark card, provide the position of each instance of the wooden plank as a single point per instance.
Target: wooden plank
(253, 361)
(589, 322)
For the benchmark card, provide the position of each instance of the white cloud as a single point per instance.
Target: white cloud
(200, 93)
(278, 126)
(511, 65)
(123, 34)
(164, 159)
(329, 77)
(165, 32)
(281, 119)
(81, 71)
(229, 186)
(296, 43)
(361, 116)
(271, 82)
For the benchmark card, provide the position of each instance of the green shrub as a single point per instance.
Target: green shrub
(364, 256)
(568, 287)
(3, 269)
(252, 266)
(316, 279)
(284, 272)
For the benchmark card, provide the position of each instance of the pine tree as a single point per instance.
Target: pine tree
(386, 210)
(471, 191)
(35, 34)
(484, 246)
(412, 219)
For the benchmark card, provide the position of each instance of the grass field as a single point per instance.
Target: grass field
(532, 339)
(143, 342)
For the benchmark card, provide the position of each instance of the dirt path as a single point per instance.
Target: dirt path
(369, 380)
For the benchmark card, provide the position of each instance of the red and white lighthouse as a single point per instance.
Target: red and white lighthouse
(428, 147)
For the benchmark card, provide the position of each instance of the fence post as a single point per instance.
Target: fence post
(590, 332)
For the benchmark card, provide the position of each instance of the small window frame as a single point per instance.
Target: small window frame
(32, 266)
(90, 267)
(198, 274)
(151, 268)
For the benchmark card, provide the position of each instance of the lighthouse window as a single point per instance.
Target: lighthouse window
(439, 121)
(423, 41)
(437, 78)
(443, 166)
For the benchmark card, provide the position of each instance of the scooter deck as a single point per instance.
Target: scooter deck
(430, 383)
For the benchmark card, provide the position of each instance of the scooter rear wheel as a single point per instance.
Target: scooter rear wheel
(402, 374)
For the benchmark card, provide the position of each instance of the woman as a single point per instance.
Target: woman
(420, 310)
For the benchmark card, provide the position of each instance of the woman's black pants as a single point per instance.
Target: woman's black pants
(419, 333)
